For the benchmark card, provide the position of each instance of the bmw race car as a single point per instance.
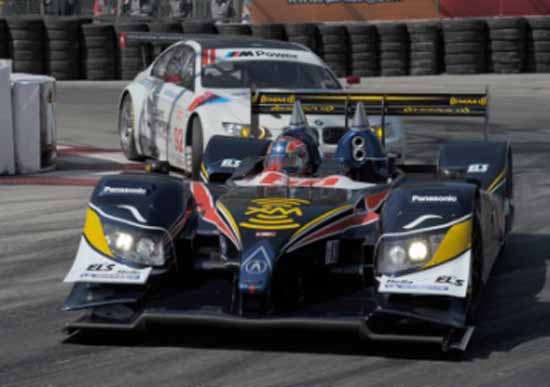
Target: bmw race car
(394, 252)
(200, 86)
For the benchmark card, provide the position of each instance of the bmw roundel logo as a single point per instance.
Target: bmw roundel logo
(318, 122)
(256, 266)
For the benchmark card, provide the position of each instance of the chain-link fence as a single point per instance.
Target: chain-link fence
(196, 9)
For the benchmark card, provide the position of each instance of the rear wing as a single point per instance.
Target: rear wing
(344, 103)
(158, 38)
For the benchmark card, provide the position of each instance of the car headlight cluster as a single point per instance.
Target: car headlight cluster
(143, 247)
(245, 131)
(400, 254)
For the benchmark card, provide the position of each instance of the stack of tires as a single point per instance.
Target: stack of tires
(269, 31)
(306, 34)
(363, 50)
(233, 29)
(394, 49)
(160, 27)
(27, 45)
(508, 37)
(465, 43)
(335, 48)
(63, 48)
(99, 52)
(134, 56)
(199, 28)
(539, 44)
(425, 56)
(4, 40)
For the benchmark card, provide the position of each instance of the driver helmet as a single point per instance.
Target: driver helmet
(290, 155)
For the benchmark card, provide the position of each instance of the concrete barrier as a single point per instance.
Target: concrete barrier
(27, 123)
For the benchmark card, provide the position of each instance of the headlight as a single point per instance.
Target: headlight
(378, 132)
(143, 247)
(400, 254)
(244, 130)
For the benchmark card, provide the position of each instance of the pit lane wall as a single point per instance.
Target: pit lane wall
(27, 122)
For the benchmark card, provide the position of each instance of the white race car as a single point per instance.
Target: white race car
(201, 86)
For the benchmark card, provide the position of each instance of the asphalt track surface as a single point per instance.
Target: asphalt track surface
(40, 228)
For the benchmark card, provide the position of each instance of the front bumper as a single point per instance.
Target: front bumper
(369, 316)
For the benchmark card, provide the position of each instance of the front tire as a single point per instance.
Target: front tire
(196, 148)
(126, 128)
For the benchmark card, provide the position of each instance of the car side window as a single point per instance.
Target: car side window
(159, 68)
(180, 67)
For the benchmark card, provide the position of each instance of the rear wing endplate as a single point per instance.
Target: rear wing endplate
(344, 103)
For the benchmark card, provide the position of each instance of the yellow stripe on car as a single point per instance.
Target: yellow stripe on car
(229, 217)
(495, 182)
(321, 218)
(457, 240)
(93, 231)
(203, 168)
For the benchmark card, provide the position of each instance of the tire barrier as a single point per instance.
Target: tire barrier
(233, 29)
(394, 49)
(99, 52)
(538, 57)
(363, 50)
(199, 28)
(269, 31)
(63, 48)
(306, 34)
(131, 59)
(465, 46)
(508, 44)
(454, 46)
(27, 45)
(426, 48)
(170, 27)
(4, 40)
(335, 48)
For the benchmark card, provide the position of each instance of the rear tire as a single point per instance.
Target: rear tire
(196, 148)
(126, 128)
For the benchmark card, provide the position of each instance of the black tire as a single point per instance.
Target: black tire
(234, 29)
(464, 69)
(458, 59)
(465, 48)
(392, 30)
(334, 49)
(454, 25)
(507, 57)
(539, 22)
(393, 55)
(27, 35)
(394, 72)
(269, 31)
(366, 56)
(196, 148)
(508, 34)
(540, 46)
(62, 45)
(97, 30)
(307, 29)
(424, 56)
(394, 46)
(108, 42)
(506, 22)
(340, 40)
(424, 70)
(363, 47)
(127, 141)
(199, 28)
(165, 27)
(62, 55)
(425, 46)
(504, 45)
(539, 35)
(464, 36)
(424, 28)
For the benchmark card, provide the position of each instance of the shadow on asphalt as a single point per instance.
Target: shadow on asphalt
(510, 315)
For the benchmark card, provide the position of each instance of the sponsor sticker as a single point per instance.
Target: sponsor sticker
(231, 163)
(478, 168)
(107, 190)
(405, 284)
(451, 280)
(273, 214)
(434, 199)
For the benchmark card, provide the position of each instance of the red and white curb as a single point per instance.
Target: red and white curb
(78, 166)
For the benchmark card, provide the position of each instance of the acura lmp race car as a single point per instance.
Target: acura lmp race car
(200, 87)
(394, 252)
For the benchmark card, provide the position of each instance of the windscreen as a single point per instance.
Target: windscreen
(268, 75)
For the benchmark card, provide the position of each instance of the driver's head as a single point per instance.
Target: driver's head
(290, 155)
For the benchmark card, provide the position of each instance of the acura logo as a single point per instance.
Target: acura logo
(256, 266)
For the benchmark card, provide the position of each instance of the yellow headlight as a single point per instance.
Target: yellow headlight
(245, 132)
(378, 132)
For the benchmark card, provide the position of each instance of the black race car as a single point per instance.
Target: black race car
(395, 252)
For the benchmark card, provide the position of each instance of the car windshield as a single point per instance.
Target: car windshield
(267, 75)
